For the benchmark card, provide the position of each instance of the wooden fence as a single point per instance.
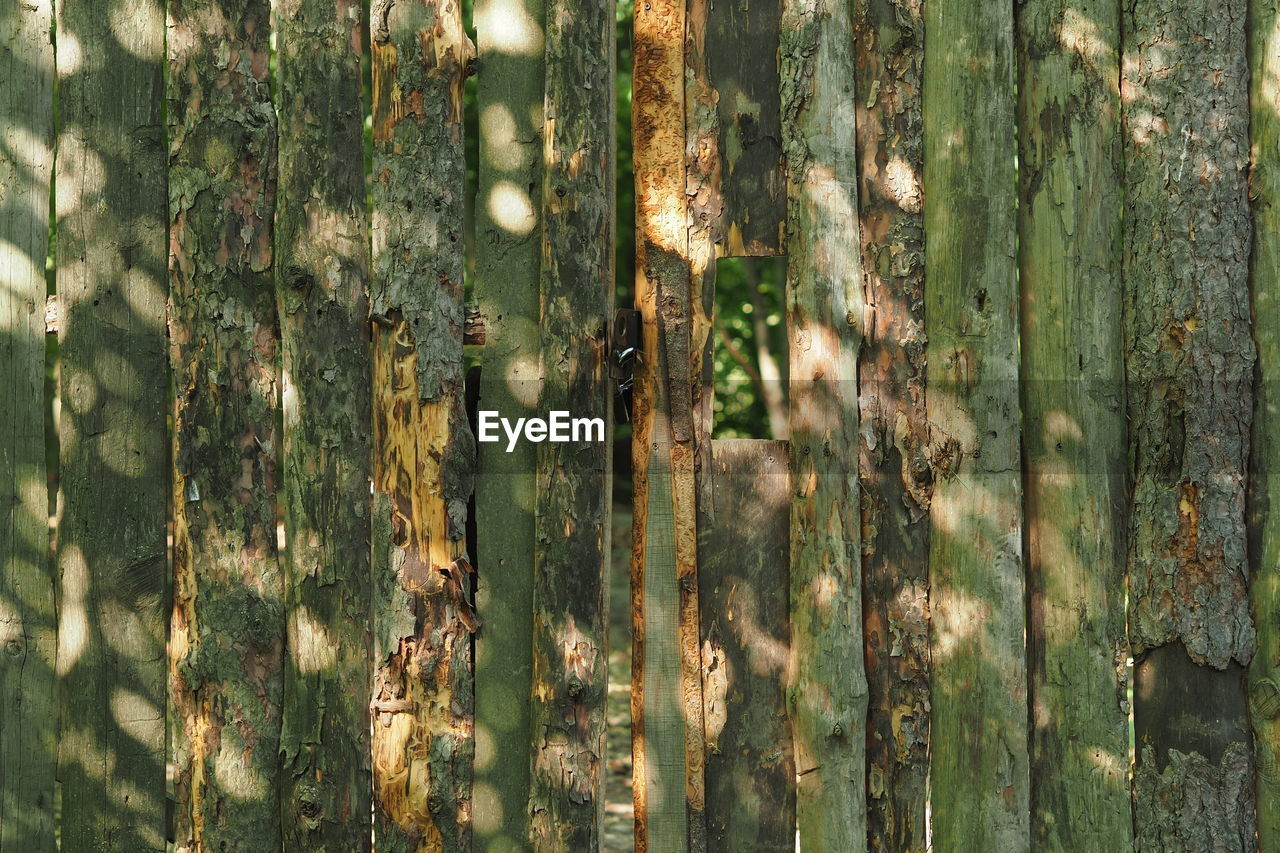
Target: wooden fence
(1010, 582)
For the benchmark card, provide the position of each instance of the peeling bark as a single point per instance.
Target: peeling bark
(114, 482)
(574, 479)
(827, 693)
(979, 775)
(322, 264)
(227, 627)
(894, 469)
(28, 687)
(1073, 403)
(424, 450)
(1189, 367)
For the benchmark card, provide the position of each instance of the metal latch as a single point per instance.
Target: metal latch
(626, 351)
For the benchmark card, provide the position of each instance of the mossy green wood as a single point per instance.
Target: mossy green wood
(28, 689)
(1264, 185)
(1073, 419)
(979, 777)
(322, 271)
(827, 694)
(1189, 365)
(227, 624)
(574, 479)
(507, 273)
(113, 501)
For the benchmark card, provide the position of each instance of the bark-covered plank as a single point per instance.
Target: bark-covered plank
(114, 483)
(509, 93)
(666, 696)
(1264, 479)
(574, 478)
(1073, 417)
(28, 689)
(979, 772)
(827, 696)
(424, 450)
(743, 552)
(732, 55)
(322, 272)
(894, 471)
(1189, 363)
(227, 624)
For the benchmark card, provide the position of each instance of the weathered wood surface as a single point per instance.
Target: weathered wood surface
(510, 91)
(227, 624)
(894, 471)
(827, 695)
(574, 479)
(28, 689)
(1073, 409)
(113, 500)
(743, 551)
(424, 450)
(1264, 497)
(979, 775)
(666, 697)
(322, 274)
(1189, 362)
(735, 137)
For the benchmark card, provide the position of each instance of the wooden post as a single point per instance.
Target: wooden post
(1264, 509)
(424, 451)
(227, 629)
(894, 472)
(113, 500)
(666, 697)
(28, 689)
(1189, 362)
(827, 696)
(322, 273)
(1073, 402)
(574, 479)
(510, 92)
(979, 775)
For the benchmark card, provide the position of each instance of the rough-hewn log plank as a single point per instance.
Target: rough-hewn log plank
(510, 89)
(979, 775)
(113, 502)
(322, 264)
(666, 697)
(424, 450)
(28, 689)
(1264, 497)
(743, 546)
(1073, 405)
(227, 628)
(893, 466)
(1189, 362)
(574, 479)
(828, 691)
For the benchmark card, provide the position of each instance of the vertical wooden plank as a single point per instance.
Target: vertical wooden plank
(1264, 496)
(827, 695)
(322, 264)
(1189, 361)
(28, 689)
(979, 775)
(894, 472)
(424, 450)
(510, 91)
(743, 545)
(1073, 417)
(574, 478)
(666, 699)
(113, 502)
(227, 628)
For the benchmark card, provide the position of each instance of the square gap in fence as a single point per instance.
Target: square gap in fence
(749, 348)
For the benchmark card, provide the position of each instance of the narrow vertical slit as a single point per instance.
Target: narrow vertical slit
(750, 361)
